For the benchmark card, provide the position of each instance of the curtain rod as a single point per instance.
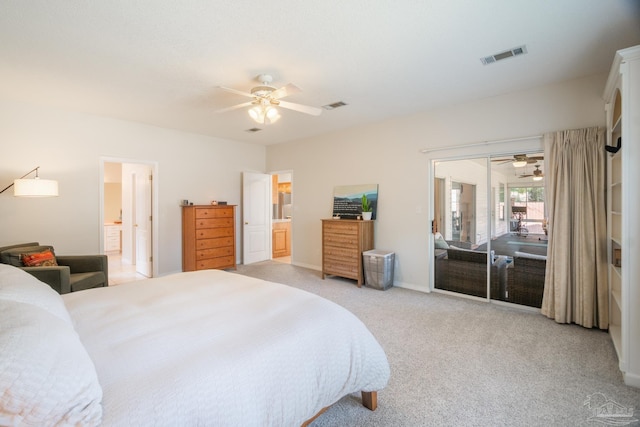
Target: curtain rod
(475, 144)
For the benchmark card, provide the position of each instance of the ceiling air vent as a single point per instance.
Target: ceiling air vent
(253, 130)
(520, 50)
(334, 105)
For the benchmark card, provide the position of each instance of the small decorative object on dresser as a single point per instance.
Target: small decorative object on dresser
(208, 237)
(366, 208)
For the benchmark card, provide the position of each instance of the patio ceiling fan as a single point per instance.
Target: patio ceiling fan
(265, 98)
(536, 174)
(520, 160)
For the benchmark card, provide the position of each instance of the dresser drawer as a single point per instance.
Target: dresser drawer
(340, 240)
(112, 232)
(214, 213)
(348, 270)
(340, 252)
(344, 228)
(345, 264)
(221, 262)
(213, 243)
(212, 233)
(213, 222)
(214, 253)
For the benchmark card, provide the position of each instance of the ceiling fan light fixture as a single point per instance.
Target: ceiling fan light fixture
(271, 114)
(537, 178)
(519, 163)
(264, 115)
(256, 114)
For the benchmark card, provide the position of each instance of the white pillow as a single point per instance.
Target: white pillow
(46, 375)
(18, 285)
(440, 243)
(531, 256)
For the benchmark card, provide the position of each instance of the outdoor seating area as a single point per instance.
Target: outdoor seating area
(516, 275)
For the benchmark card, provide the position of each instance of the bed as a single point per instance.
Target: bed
(198, 348)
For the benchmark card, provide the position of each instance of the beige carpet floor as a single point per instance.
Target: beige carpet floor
(459, 362)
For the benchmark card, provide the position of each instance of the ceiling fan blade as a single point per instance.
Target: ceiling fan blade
(502, 161)
(287, 90)
(235, 107)
(237, 92)
(314, 111)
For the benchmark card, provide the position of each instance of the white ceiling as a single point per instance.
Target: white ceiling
(159, 61)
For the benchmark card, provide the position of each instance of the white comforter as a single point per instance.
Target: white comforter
(217, 348)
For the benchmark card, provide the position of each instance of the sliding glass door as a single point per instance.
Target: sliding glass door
(488, 211)
(460, 224)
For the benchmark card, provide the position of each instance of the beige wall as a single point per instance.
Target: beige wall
(70, 146)
(112, 201)
(388, 153)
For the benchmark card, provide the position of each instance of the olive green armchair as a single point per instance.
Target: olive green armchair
(71, 274)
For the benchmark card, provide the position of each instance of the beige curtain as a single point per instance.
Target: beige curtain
(575, 287)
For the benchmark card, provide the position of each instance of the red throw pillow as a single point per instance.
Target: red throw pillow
(39, 259)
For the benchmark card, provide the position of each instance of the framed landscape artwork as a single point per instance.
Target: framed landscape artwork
(347, 200)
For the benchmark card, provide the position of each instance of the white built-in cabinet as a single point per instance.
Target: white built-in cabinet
(112, 238)
(622, 95)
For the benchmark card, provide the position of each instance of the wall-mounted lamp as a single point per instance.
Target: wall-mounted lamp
(33, 187)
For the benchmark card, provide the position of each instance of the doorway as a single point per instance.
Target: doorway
(282, 218)
(267, 215)
(463, 206)
(127, 218)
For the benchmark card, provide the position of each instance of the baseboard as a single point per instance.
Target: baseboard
(632, 380)
(396, 284)
(411, 286)
(309, 266)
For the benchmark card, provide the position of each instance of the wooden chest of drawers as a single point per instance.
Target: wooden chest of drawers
(343, 242)
(208, 237)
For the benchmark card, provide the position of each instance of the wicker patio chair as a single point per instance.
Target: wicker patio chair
(525, 281)
(465, 272)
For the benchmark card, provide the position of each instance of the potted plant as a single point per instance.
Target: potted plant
(366, 208)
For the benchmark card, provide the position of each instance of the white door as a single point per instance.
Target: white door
(142, 226)
(256, 217)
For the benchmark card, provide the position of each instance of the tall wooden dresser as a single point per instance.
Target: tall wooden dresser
(343, 241)
(208, 237)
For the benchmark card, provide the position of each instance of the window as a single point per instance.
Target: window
(533, 199)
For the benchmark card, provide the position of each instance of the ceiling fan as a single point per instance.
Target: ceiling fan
(520, 160)
(536, 174)
(265, 99)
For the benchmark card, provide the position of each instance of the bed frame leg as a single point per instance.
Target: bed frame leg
(370, 400)
(310, 420)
